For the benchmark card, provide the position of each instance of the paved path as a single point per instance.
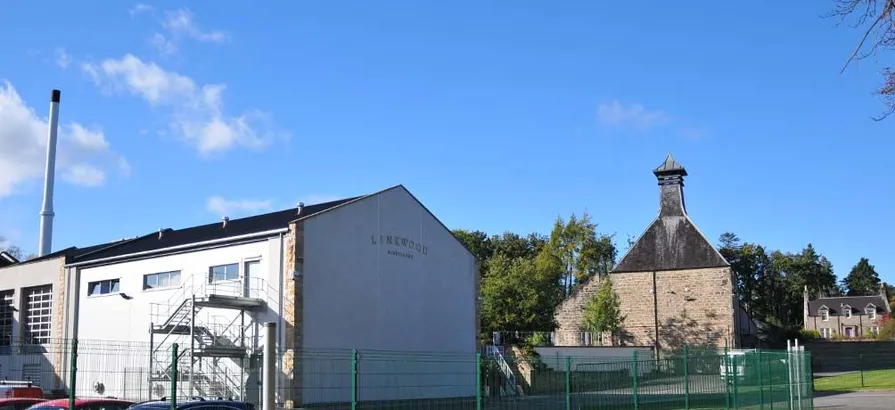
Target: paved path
(880, 400)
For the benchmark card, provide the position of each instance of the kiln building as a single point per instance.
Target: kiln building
(674, 286)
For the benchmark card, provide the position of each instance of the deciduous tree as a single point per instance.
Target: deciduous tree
(517, 295)
(581, 251)
(602, 313)
(874, 19)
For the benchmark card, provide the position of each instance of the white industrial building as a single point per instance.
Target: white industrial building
(373, 273)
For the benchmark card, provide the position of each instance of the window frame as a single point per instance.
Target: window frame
(116, 281)
(170, 273)
(847, 311)
(824, 313)
(870, 311)
(826, 333)
(211, 274)
(34, 315)
(7, 316)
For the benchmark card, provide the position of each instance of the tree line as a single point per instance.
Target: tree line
(525, 277)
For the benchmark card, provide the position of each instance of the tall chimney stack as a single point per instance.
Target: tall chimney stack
(46, 211)
(671, 187)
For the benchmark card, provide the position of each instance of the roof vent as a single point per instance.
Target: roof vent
(160, 233)
(226, 219)
(301, 206)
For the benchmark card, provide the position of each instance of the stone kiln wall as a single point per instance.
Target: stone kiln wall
(695, 307)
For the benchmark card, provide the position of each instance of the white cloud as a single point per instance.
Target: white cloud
(83, 154)
(140, 8)
(226, 207)
(176, 26)
(62, 58)
(196, 112)
(636, 116)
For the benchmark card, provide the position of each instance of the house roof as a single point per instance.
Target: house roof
(857, 303)
(167, 238)
(7, 259)
(672, 241)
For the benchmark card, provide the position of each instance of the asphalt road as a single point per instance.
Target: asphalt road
(881, 400)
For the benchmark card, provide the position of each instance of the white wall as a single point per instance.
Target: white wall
(114, 333)
(585, 359)
(47, 360)
(362, 291)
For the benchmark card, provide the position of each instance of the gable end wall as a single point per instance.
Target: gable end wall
(695, 307)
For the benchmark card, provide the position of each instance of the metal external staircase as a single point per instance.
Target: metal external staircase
(508, 387)
(212, 325)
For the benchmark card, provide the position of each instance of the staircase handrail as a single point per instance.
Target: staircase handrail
(509, 375)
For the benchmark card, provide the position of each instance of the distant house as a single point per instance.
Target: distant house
(847, 316)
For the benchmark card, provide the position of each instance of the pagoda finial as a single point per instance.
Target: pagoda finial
(670, 168)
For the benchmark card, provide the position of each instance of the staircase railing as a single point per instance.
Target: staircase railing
(494, 353)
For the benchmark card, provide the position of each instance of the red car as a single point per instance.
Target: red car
(83, 404)
(19, 403)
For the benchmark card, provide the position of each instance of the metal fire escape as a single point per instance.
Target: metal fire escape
(213, 325)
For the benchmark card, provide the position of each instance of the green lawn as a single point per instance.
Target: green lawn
(872, 380)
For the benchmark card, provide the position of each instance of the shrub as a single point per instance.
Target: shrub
(886, 328)
(809, 334)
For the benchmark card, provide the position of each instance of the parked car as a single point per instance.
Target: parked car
(194, 404)
(19, 403)
(84, 404)
(20, 389)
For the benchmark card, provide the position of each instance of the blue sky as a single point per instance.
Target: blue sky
(497, 115)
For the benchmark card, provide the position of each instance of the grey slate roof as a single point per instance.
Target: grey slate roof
(195, 234)
(7, 259)
(672, 241)
(838, 304)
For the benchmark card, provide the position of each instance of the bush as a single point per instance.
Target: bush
(886, 328)
(809, 334)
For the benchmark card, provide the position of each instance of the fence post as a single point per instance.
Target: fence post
(353, 379)
(478, 381)
(861, 367)
(73, 373)
(568, 383)
(771, 384)
(634, 380)
(174, 358)
(736, 377)
(760, 381)
(725, 360)
(687, 377)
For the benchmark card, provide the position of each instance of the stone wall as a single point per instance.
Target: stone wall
(693, 307)
(292, 288)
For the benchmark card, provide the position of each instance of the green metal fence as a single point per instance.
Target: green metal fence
(848, 372)
(365, 379)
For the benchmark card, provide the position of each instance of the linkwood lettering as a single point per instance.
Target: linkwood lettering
(406, 246)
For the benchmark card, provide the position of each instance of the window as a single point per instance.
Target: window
(7, 301)
(102, 287)
(161, 280)
(223, 272)
(870, 310)
(847, 310)
(824, 314)
(38, 304)
(874, 330)
(825, 333)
